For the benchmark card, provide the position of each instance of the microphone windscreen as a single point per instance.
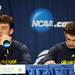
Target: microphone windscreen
(6, 44)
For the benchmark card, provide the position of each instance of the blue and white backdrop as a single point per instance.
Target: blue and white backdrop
(39, 23)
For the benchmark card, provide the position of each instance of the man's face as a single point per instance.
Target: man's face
(5, 29)
(70, 40)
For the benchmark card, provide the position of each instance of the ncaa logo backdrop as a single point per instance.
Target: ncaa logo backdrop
(42, 20)
(39, 23)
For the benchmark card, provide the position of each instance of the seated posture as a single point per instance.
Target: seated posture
(64, 52)
(11, 51)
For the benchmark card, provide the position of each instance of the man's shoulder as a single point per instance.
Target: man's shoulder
(19, 45)
(16, 42)
(61, 44)
(58, 46)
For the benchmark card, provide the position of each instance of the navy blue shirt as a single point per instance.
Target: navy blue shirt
(18, 54)
(61, 54)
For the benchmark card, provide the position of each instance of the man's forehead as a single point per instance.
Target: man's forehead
(4, 24)
(70, 36)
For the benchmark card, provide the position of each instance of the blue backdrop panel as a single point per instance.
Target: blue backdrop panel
(22, 10)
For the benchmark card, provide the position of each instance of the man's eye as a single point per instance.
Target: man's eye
(73, 40)
(68, 39)
(4, 28)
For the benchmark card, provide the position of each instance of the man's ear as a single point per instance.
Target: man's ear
(11, 31)
(65, 33)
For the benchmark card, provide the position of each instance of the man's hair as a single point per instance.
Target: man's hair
(7, 20)
(70, 28)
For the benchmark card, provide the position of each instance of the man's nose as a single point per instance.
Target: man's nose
(71, 42)
(0, 31)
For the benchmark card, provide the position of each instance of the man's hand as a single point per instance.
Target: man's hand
(5, 37)
(50, 62)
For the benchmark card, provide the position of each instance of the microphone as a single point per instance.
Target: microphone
(6, 45)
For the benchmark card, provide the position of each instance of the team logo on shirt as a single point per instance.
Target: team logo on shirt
(8, 61)
(68, 62)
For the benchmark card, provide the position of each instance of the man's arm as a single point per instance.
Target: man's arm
(24, 55)
(49, 58)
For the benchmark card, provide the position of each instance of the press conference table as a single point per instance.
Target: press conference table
(56, 69)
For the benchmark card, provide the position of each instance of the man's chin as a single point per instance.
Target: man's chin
(72, 47)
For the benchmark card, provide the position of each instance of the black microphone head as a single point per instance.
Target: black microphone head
(6, 44)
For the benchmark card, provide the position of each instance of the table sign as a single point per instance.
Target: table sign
(12, 69)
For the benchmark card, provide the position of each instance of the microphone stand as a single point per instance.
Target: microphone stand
(6, 45)
(6, 53)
